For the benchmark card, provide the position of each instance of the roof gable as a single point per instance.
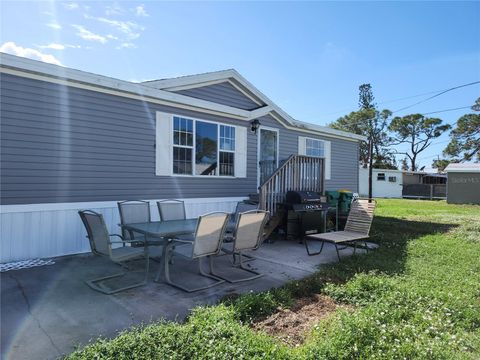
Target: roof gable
(223, 92)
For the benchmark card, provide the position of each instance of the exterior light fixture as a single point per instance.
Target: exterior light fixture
(255, 124)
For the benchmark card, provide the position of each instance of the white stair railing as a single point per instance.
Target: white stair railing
(298, 173)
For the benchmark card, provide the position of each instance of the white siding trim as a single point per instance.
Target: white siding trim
(328, 159)
(49, 230)
(163, 144)
(240, 161)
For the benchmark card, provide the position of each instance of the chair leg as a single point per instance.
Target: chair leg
(338, 253)
(239, 266)
(161, 268)
(95, 284)
(169, 281)
(308, 249)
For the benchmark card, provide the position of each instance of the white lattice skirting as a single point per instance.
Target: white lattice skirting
(17, 265)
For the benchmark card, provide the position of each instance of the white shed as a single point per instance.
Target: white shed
(385, 183)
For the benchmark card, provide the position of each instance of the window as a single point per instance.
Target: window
(183, 145)
(392, 179)
(203, 148)
(381, 177)
(227, 150)
(314, 147)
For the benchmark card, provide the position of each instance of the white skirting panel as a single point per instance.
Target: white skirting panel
(49, 230)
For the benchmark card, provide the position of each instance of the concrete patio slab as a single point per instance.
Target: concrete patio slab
(47, 311)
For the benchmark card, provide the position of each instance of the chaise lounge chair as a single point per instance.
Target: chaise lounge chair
(356, 229)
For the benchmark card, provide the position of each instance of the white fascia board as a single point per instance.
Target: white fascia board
(255, 114)
(326, 129)
(189, 80)
(201, 80)
(463, 170)
(55, 71)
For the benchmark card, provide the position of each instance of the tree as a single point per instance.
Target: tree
(476, 106)
(358, 122)
(465, 139)
(418, 131)
(404, 165)
(441, 164)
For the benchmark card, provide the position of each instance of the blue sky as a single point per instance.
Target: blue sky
(308, 57)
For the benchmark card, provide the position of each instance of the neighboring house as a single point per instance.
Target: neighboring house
(74, 140)
(463, 185)
(423, 185)
(385, 183)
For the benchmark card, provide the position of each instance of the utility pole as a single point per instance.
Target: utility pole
(370, 167)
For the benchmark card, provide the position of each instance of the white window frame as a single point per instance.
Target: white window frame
(327, 152)
(194, 148)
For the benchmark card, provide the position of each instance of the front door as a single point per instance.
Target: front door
(267, 153)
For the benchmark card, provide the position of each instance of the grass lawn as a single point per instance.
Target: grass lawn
(416, 296)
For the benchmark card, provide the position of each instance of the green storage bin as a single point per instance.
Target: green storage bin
(345, 202)
(332, 197)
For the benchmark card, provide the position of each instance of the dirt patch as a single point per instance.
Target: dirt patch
(291, 325)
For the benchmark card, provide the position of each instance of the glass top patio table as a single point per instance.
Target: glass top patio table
(164, 229)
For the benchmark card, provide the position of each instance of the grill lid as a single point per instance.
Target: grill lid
(302, 197)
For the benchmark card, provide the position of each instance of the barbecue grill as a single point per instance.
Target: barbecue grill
(306, 213)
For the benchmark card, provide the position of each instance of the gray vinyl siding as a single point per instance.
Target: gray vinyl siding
(344, 155)
(63, 144)
(222, 93)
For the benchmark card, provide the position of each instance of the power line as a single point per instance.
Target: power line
(440, 92)
(436, 95)
(452, 109)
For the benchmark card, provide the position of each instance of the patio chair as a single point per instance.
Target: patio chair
(248, 235)
(357, 228)
(207, 242)
(171, 209)
(133, 211)
(101, 244)
(241, 208)
(138, 211)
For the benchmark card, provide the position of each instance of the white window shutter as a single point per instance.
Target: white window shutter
(302, 147)
(163, 144)
(240, 152)
(328, 156)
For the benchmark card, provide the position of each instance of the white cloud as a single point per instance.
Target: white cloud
(114, 9)
(112, 37)
(88, 35)
(55, 46)
(127, 45)
(52, 46)
(129, 28)
(13, 49)
(71, 6)
(140, 11)
(54, 25)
